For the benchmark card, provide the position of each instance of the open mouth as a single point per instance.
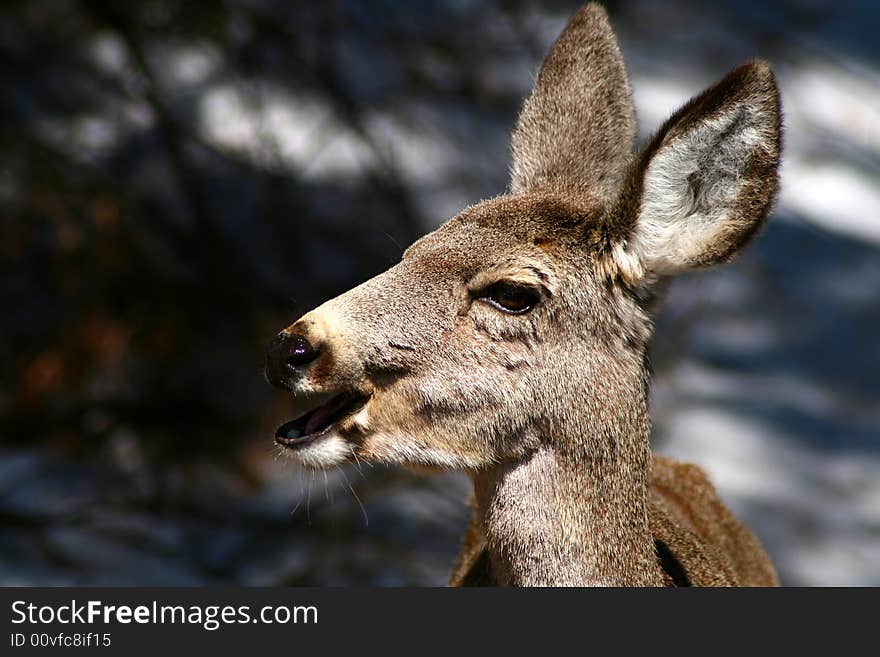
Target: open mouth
(319, 420)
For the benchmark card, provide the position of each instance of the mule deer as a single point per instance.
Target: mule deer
(510, 343)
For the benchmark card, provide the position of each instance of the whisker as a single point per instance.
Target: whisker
(302, 494)
(394, 241)
(328, 496)
(357, 499)
(309, 500)
(357, 462)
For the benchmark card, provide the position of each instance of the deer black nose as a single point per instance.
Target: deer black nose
(301, 352)
(286, 354)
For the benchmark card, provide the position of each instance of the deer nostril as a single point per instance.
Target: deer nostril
(301, 352)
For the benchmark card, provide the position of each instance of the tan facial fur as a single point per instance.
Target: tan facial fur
(453, 381)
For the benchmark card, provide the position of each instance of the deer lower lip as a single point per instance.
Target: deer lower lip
(319, 420)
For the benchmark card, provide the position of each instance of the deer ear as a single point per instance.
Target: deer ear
(706, 181)
(575, 132)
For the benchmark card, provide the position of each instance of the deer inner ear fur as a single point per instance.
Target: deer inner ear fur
(705, 183)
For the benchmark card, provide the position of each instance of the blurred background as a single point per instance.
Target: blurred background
(179, 181)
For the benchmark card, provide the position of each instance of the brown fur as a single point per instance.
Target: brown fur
(712, 547)
(582, 81)
(546, 409)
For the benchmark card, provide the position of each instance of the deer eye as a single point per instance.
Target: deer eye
(511, 298)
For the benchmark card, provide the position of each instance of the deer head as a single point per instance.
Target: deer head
(520, 325)
(495, 325)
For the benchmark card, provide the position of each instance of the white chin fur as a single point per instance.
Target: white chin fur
(323, 452)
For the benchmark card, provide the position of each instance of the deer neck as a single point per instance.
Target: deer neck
(574, 511)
